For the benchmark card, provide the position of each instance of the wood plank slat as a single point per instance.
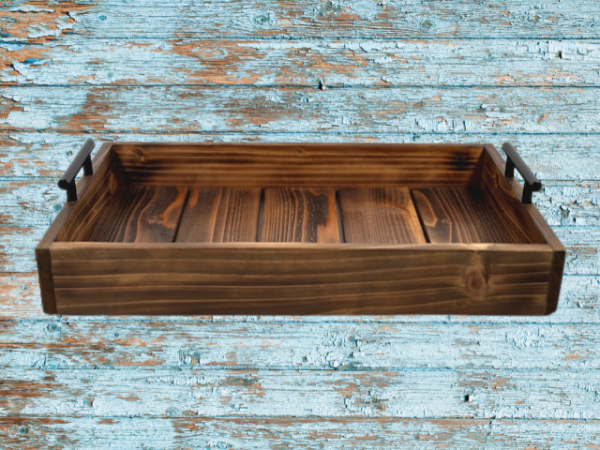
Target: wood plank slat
(463, 215)
(199, 109)
(139, 214)
(303, 62)
(17, 246)
(179, 432)
(379, 216)
(302, 343)
(483, 393)
(300, 215)
(269, 19)
(220, 215)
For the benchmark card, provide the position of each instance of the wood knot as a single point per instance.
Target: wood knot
(475, 280)
(139, 154)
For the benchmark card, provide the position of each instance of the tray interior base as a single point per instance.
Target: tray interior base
(362, 215)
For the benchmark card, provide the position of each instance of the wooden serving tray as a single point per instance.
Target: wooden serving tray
(299, 229)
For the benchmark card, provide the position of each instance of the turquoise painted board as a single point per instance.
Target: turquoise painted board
(323, 71)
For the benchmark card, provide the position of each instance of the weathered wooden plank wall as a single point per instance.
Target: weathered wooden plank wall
(329, 71)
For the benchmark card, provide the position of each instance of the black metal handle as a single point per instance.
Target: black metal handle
(514, 160)
(82, 159)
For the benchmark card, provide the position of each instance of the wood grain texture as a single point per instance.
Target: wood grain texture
(379, 216)
(87, 185)
(303, 19)
(333, 433)
(220, 215)
(466, 215)
(305, 165)
(205, 279)
(139, 214)
(505, 197)
(495, 394)
(178, 109)
(300, 215)
(493, 167)
(302, 62)
(80, 215)
(300, 343)
(130, 214)
(20, 305)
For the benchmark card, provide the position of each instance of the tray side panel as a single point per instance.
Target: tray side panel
(42, 250)
(558, 261)
(84, 212)
(220, 215)
(288, 279)
(460, 214)
(379, 216)
(301, 165)
(509, 209)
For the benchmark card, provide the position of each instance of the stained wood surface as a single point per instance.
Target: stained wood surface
(304, 165)
(300, 215)
(19, 303)
(213, 279)
(220, 215)
(132, 214)
(379, 216)
(428, 47)
(466, 215)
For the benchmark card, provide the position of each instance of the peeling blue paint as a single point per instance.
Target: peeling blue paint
(331, 71)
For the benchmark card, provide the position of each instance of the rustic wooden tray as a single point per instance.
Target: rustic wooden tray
(299, 229)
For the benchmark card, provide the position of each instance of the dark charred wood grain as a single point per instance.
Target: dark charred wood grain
(464, 215)
(136, 214)
(261, 278)
(299, 215)
(301, 164)
(379, 216)
(220, 215)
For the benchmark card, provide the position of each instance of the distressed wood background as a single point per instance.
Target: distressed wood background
(524, 71)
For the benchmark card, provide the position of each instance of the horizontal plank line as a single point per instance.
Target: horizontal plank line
(303, 418)
(152, 319)
(92, 134)
(59, 43)
(314, 86)
(254, 417)
(189, 36)
(340, 244)
(36, 178)
(304, 87)
(218, 369)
